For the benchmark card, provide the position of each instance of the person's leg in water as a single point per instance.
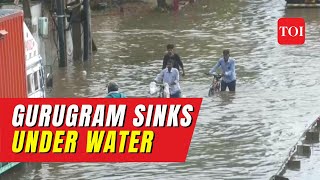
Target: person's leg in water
(232, 86)
(223, 86)
(176, 95)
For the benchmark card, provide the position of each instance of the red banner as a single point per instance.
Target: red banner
(97, 129)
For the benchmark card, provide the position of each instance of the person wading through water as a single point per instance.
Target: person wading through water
(227, 66)
(170, 75)
(113, 91)
(177, 63)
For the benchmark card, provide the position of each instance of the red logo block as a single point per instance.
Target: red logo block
(291, 31)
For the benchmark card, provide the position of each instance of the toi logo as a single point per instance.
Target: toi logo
(291, 31)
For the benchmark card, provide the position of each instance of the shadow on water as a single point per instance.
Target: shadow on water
(227, 97)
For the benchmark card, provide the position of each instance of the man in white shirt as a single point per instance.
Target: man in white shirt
(170, 76)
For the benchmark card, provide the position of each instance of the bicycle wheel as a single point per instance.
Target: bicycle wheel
(161, 94)
(211, 92)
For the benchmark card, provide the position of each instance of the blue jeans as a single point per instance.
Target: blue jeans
(231, 85)
(176, 95)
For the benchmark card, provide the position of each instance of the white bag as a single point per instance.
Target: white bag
(166, 90)
(153, 88)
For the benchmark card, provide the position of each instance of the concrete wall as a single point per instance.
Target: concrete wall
(48, 47)
(36, 13)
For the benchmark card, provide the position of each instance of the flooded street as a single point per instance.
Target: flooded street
(245, 135)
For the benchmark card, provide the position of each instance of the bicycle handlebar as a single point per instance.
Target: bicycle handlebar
(218, 76)
(159, 84)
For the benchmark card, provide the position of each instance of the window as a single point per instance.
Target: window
(36, 80)
(29, 81)
(41, 76)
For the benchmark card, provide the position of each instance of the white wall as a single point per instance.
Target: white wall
(35, 14)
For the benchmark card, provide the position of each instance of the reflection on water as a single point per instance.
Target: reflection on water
(245, 135)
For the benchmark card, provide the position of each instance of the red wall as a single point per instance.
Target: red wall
(13, 81)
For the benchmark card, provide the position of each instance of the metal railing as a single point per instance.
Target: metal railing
(293, 150)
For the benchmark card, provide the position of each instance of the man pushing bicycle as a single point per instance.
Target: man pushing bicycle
(227, 66)
(170, 75)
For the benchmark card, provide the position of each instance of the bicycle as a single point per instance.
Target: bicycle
(162, 90)
(215, 86)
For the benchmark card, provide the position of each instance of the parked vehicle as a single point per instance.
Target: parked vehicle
(36, 77)
(21, 68)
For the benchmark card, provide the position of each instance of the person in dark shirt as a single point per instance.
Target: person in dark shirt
(177, 63)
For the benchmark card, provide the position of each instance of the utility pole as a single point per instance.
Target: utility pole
(27, 14)
(61, 32)
(87, 39)
(76, 31)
